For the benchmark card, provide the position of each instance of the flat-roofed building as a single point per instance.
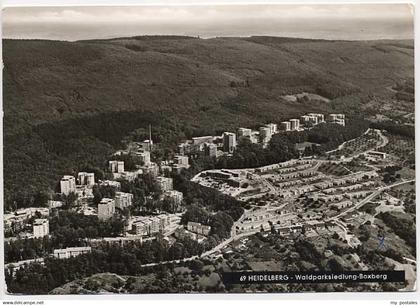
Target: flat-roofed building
(184, 148)
(147, 226)
(244, 132)
(198, 228)
(116, 166)
(164, 183)
(202, 140)
(146, 145)
(337, 118)
(210, 150)
(294, 124)
(285, 126)
(112, 183)
(273, 128)
(85, 178)
(229, 142)
(144, 157)
(54, 204)
(123, 200)
(41, 227)
(67, 185)
(319, 116)
(305, 118)
(265, 134)
(176, 196)
(71, 252)
(106, 208)
(141, 228)
(182, 161)
(152, 169)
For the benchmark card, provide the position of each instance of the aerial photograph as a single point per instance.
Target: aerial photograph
(259, 148)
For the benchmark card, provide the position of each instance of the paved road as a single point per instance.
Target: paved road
(409, 260)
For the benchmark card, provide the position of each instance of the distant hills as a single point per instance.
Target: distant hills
(238, 79)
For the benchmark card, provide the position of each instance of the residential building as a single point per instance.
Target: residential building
(164, 183)
(86, 178)
(129, 176)
(202, 140)
(123, 200)
(112, 183)
(229, 142)
(41, 227)
(146, 145)
(176, 196)
(106, 208)
(71, 252)
(84, 191)
(337, 118)
(184, 148)
(181, 161)
(147, 226)
(305, 119)
(272, 127)
(285, 126)
(67, 185)
(210, 150)
(319, 116)
(152, 169)
(17, 220)
(198, 228)
(144, 157)
(244, 132)
(294, 124)
(265, 134)
(116, 166)
(376, 154)
(54, 204)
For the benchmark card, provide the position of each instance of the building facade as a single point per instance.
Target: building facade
(41, 227)
(229, 142)
(116, 166)
(67, 185)
(106, 208)
(123, 200)
(86, 178)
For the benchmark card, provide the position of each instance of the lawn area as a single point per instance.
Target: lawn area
(333, 169)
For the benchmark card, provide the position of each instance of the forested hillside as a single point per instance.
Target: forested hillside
(68, 104)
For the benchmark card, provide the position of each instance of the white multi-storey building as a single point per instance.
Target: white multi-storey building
(86, 178)
(164, 183)
(244, 132)
(144, 157)
(67, 185)
(265, 134)
(294, 124)
(337, 118)
(285, 126)
(106, 208)
(176, 196)
(41, 227)
(71, 252)
(116, 166)
(229, 142)
(210, 150)
(123, 200)
(273, 128)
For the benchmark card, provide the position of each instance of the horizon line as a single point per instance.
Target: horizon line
(204, 38)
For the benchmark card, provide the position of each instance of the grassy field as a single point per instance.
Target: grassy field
(333, 169)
